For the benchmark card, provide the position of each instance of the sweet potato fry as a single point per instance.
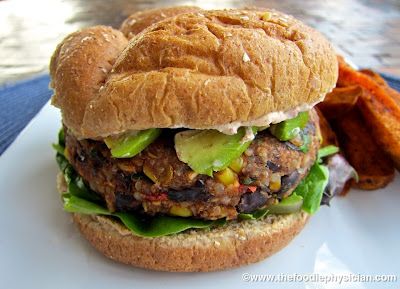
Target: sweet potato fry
(380, 110)
(340, 101)
(383, 127)
(382, 82)
(348, 76)
(328, 135)
(375, 76)
(374, 168)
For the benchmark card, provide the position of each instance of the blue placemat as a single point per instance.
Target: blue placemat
(393, 81)
(20, 102)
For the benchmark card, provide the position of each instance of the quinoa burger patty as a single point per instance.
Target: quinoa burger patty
(156, 181)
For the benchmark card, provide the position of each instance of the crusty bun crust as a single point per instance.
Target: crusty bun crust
(140, 20)
(199, 70)
(79, 68)
(231, 245)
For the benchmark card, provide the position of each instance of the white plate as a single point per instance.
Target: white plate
(41, 248)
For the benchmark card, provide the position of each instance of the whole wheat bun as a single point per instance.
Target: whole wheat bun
(232, 245)
(79, 67)
(194, 70)
(140, 20)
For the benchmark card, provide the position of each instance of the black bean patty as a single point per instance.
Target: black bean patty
(156, 181)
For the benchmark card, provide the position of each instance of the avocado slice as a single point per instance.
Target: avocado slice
(129, 145)
(288, 205)
(288, 129)
(206, 151)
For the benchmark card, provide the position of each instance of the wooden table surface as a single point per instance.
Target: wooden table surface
(367, 31)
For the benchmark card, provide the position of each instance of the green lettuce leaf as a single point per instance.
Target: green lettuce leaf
(258, 214)
(327, 151)
(78, 188)
(61, 137)
(74, 204)
(75, 183)
(161, 225)
(312, 187)
(306, 143)
(140, 226)
(62, 162)
(60, 146)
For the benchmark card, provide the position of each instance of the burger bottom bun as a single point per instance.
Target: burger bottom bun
(232, 245)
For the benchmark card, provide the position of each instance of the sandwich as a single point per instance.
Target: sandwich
(189, 137)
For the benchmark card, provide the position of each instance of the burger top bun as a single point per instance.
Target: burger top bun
(140, 20)
(201, 70)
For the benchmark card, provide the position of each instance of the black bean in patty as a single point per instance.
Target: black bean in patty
(189, 195)
(252, 201)
(125, 202)
(289, 181)
(273, 166)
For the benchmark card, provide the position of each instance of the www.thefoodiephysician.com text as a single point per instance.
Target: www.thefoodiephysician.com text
(319, 278)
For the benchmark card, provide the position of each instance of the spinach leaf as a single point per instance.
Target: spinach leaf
(77, 188)
(312, 187)
(140, 226)
(258, 214)
(58, 148)
(75, 184)
(159, 225)
(327, 151)
(62, 162)
(61, 137)
(74, 204)
(306, 143)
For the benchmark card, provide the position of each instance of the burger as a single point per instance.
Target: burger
(189, 137)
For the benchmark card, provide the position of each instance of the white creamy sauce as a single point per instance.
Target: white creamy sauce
(248, 136)
(263, 121)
